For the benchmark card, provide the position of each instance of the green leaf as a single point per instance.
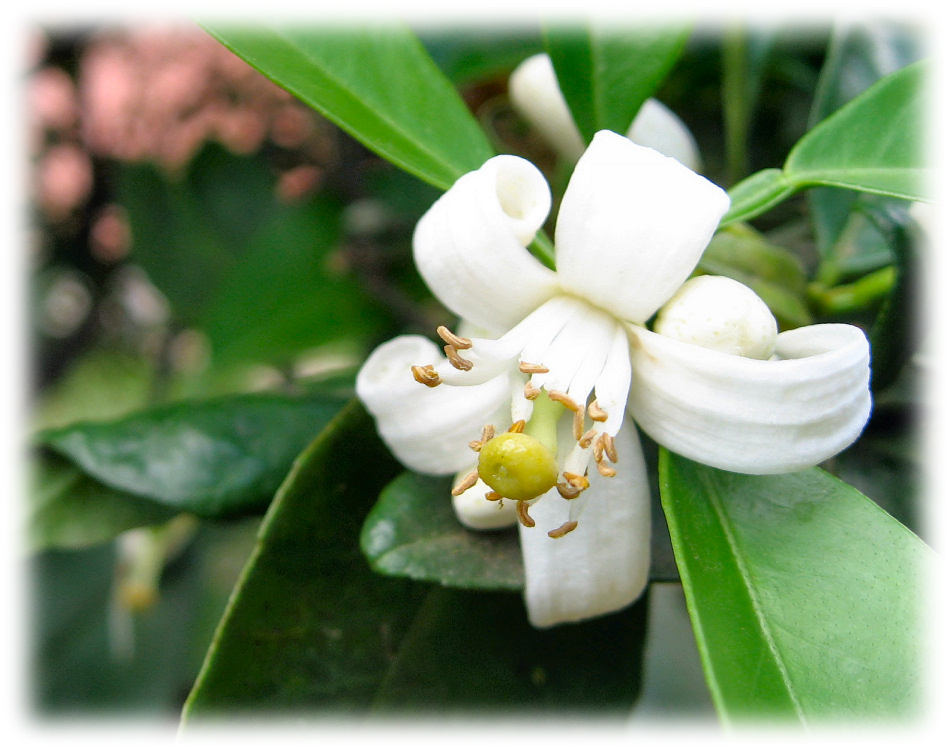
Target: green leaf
(471, 650)
(756, 194)
(805, 596)
(310, 627)
(872, 144)
(212, 458)
(607, 73)
(378, 84)
(412, 531)
(70, 509)
(286, 296)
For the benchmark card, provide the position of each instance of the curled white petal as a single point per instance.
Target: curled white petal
(427, 429)
(603, 564)
(632, 226)
(536, 96)
(754, 416)
(656, 127)
(470, 245)
(475, 512)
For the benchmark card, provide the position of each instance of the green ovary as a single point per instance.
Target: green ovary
(517, 466)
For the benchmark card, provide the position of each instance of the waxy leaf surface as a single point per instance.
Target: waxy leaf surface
(805, 597)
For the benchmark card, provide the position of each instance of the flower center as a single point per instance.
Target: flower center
(567, 357)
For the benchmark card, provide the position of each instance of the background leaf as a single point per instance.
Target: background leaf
(606, 73)
(872, 144)
(378, 84)
(805, 597)
(310, 627)
(218, 457)
(412, 531)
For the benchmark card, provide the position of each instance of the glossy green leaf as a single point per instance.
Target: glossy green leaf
(310, 628)
(475, 651)
(872, 144)
(606, 73)
(412, 531)
(375, 82)
(212, 458)
(806, 598)
(70, 509)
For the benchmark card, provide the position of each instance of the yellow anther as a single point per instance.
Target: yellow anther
(517, 466)
(564, 528)
(565, 400)
(577, 426)
(606, 471)
(587, 438)
(426, 375)
(531, 369)
(468, 481)
(517, 426)
(488, 432)
(567, 491)
(577, 480)
(493, 496)
(609, 448)
(522, 509)
(596, 413)
(459, 342)
(455, 360)
(531, 392)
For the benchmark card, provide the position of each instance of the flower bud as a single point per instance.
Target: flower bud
(719, 313)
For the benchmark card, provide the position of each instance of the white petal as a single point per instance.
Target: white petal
(656, 127)
(427, 429)
(536, 96)
(470, 245)
(601, 566)
(754, 416)
(632, 226)
(475, 512)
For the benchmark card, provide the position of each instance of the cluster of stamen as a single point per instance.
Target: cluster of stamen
(573, 484)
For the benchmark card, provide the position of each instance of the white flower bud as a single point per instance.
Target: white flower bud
(719, 313)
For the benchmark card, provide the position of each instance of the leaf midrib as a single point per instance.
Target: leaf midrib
(715, 501)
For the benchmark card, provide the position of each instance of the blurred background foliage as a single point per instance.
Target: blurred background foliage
(196, 232)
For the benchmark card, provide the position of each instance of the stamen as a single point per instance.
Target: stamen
(531, 392)
(518, 426)
(426, 375)
(606, 471)
(455, 360)
(530, 369)
(577, 480)
(596, 413)
(565, 528)
(468, 481)
(587, 438)
(567, 401)
(567, 491)
(609, 448)
(522, 510)
(577, 426)
(459, 342)
(493, 496)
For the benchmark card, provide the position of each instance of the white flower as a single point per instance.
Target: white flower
(536, 96)
(567, 355)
